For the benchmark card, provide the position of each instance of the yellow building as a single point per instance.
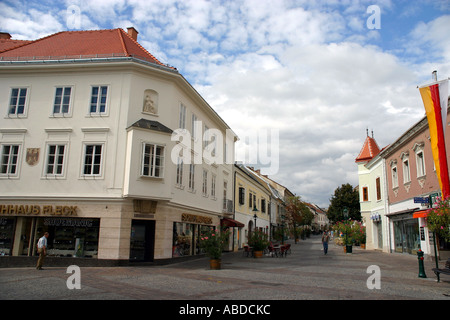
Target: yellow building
(252, 204)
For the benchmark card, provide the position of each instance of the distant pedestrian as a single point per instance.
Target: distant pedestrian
(42, 250)
(325, 239)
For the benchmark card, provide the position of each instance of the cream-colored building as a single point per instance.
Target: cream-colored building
(373, 195)
(252, 207)
(91, 150)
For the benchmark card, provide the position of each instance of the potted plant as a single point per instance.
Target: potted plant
(360, 232)
(213, 242)
(438, 218)
(258, 240)
(345, 229)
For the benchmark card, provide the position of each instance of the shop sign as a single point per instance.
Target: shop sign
(186, 217)
(16, 209)
(423, 200)
(58, 222)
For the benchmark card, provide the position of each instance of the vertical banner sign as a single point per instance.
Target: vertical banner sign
(435, 99)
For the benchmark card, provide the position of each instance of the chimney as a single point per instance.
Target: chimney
(133, 33)
(5, 35)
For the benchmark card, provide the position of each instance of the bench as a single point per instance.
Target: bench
(446, 270)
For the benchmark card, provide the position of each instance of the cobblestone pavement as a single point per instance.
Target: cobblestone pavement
(305, 274)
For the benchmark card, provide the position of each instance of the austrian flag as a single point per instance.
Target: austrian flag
(435, 99)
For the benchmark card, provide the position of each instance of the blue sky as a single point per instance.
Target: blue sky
(310, 69)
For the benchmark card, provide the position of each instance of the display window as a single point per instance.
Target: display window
(7, 226)
(70, 237)
(186, 239)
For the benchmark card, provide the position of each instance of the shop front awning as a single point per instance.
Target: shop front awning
(421, 213)
(227, 222)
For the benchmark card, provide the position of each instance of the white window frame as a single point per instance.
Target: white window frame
(179, 175)
(92, 175)
(213, 186)
(64, 159)
(394, 172)
(25, 105)
(182, 123)
(98, 104)
(9, 163)
(152, 169)
(420, 159)
(205, 183)
(69, 110)
(194, 133)
(406, 170)
(192, 177)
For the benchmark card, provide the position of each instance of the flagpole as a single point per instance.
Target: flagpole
(433, 83)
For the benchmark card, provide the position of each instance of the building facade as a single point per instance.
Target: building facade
(411, 180)
(93, 150)
(373, 195)
(397, 186)
(252, 204)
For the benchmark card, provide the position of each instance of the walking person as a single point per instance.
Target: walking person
(325, 239)
(42, 250)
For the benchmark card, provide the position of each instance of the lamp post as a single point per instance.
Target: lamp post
(255, 216)
(282, 228)
(347, 247)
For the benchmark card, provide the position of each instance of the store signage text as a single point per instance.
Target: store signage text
(186, 217)
(16, 209)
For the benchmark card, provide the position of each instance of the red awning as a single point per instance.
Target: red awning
(226, 222)
(421, 213)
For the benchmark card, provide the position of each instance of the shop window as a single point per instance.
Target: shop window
(70, 237)
(186, 239)
(7, 226)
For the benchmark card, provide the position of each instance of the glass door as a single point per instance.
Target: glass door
(137, 242)
(142, 240)
(412, 236)
(398, 236)
(380, 235)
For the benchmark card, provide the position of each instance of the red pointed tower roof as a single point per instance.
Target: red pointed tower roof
(369, 150)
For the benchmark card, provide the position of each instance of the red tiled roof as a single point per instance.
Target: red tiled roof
(6, 44)
(369, 150)
(112, 42)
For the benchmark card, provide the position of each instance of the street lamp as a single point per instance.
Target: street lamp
(255, 216)
(347, 247)
(345, 211)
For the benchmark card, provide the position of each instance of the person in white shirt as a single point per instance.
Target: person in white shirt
(42, 250)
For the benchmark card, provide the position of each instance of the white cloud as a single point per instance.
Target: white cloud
(308, 68)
